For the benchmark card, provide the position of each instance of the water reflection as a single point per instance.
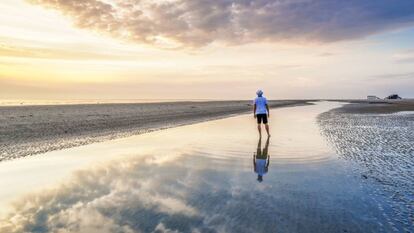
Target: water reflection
(261, 159)
(193, 179)
(143, 195)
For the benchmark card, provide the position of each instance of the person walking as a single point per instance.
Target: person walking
(261, 112)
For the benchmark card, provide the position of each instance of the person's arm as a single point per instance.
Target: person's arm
(254, 162)
(268, 161)
(254, 110)
(268, 111)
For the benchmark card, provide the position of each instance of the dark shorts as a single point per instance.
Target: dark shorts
(261, 117)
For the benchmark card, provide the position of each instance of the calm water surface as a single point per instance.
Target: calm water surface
(198, 178)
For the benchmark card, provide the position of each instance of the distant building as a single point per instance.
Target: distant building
(393, 97)
(372, 97)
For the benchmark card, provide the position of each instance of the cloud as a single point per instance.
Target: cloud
(196, 192)
(327, 54)
(405, 57)
(109, 199)
(195, 23)
(58, 53)
(394, 76)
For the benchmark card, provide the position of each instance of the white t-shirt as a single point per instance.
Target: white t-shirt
(261, 166)
(260, 105)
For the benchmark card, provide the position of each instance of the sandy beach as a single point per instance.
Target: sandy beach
(206, 116)
(28, 130)
(200, 178)
(197, 178)
(331, 170)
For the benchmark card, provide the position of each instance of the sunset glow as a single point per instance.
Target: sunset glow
(64, 50)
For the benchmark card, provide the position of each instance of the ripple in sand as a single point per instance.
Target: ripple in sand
(383, 144)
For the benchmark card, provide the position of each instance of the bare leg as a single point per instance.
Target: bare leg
(267, 129)
(259, 127)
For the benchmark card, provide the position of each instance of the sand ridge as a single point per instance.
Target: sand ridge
(28, 130)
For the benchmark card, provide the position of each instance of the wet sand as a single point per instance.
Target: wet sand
(196, 178)
(378, 140)
(28, 130)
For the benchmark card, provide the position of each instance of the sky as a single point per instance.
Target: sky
(205, 49)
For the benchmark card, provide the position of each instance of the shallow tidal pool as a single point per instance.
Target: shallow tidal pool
(216, 176)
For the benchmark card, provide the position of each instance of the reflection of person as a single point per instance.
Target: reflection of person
(261, 112)
(261, 160)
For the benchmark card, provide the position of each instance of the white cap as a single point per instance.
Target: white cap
(259, 92)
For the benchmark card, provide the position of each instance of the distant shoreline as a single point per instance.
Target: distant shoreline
(35, 129)
(39, 102)
(380, 106)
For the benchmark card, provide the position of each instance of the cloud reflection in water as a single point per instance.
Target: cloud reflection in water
(209, 187)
